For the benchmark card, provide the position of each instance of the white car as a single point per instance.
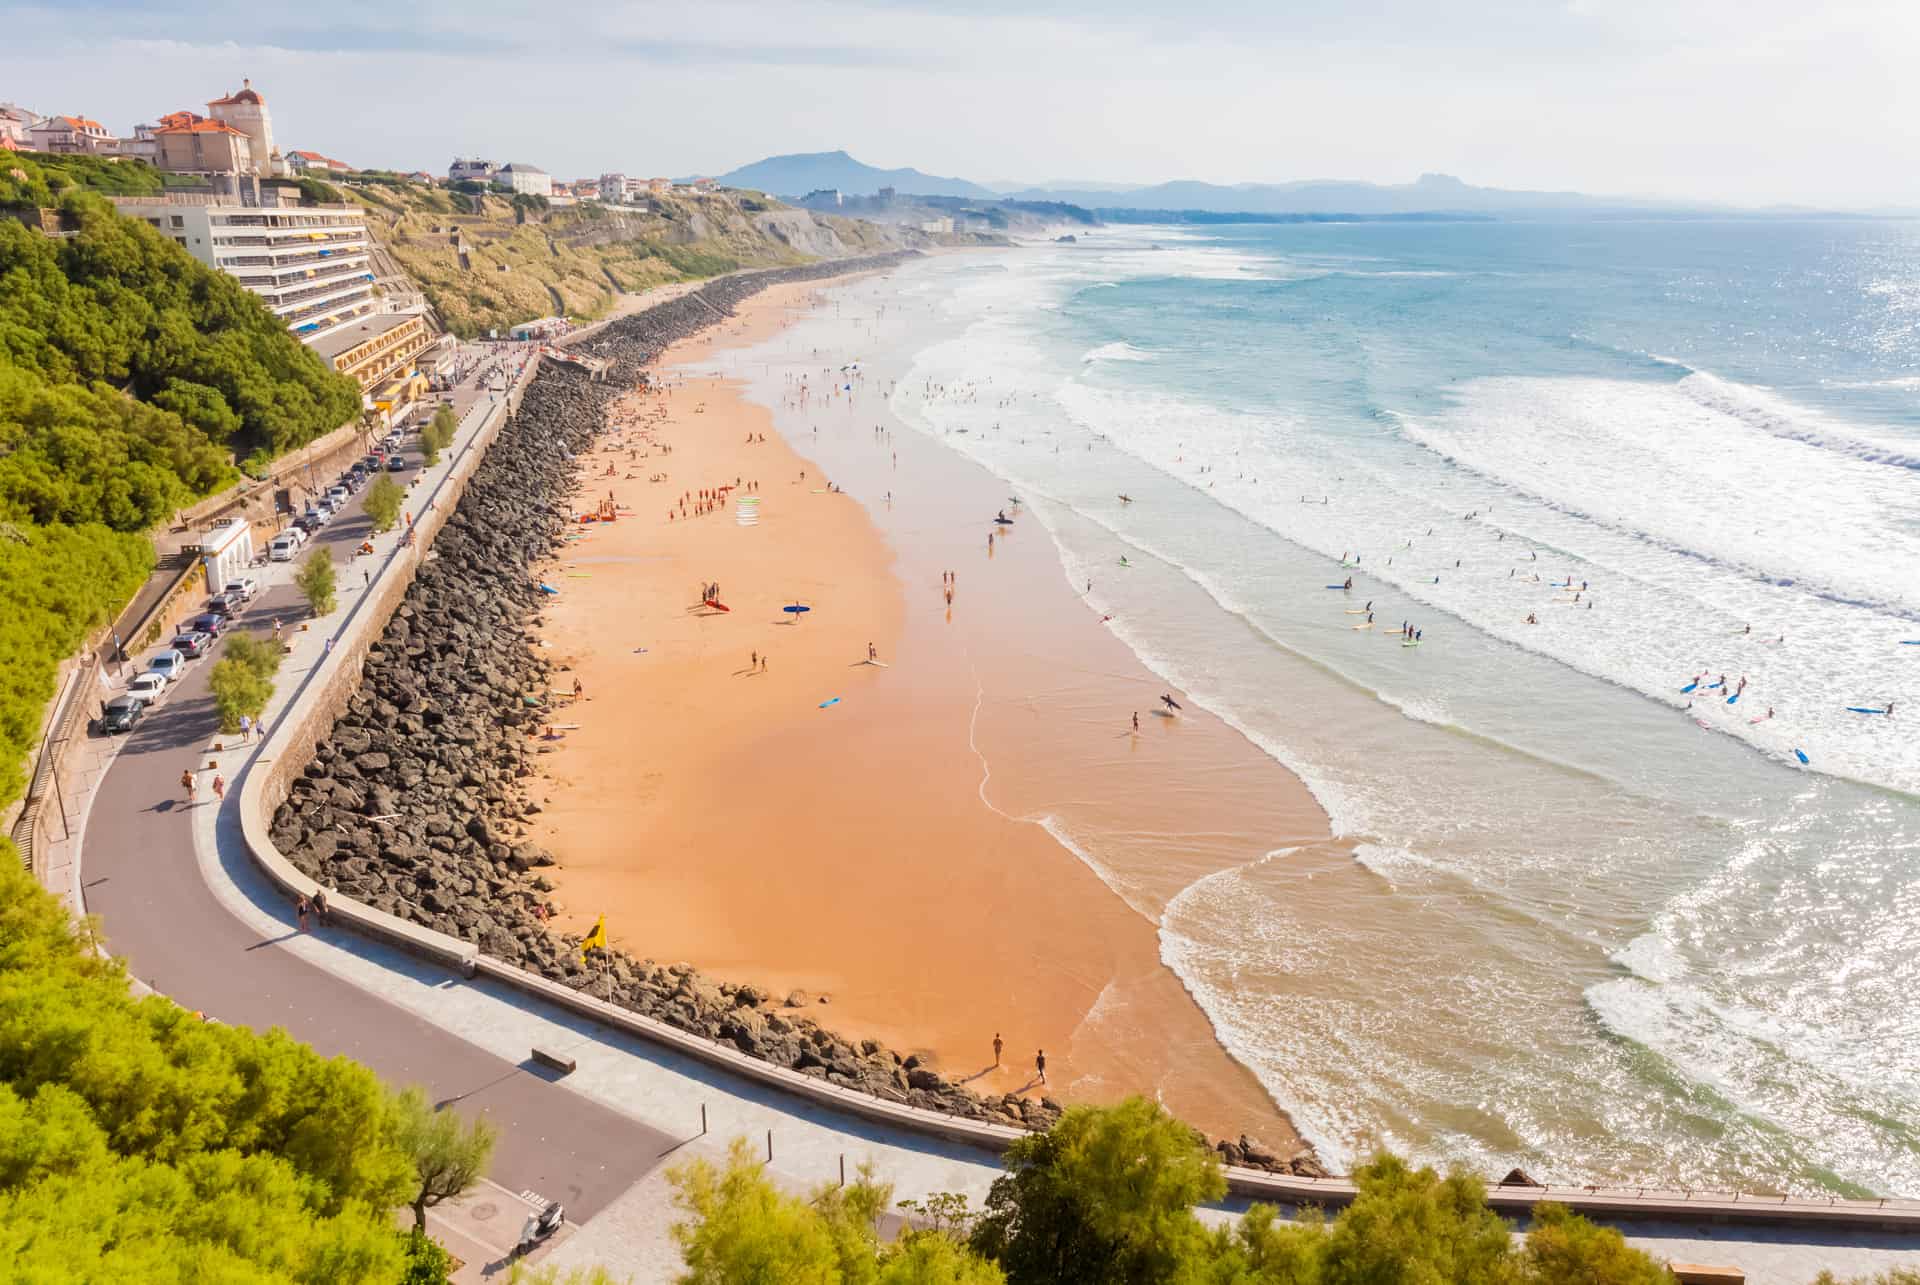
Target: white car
(168, 664)
(339, 496)
(243, 588)
(284, 546)
(148, 685)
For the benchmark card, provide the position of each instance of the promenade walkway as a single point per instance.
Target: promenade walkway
(182, 901)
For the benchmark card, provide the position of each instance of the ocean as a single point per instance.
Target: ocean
(1579, 918)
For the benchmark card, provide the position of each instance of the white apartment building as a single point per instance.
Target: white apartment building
(311, 264)
(517, 178)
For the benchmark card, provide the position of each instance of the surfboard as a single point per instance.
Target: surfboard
(719, 606)
(877, 664)
(1690, 686)
(1356, 611)
(1367, 625)
(1003, 521)
(1802, 756)
(1731, 699)
(1910, 642)
(1861, 709)
(834, 701)
(1410, 643)
(1336, 586)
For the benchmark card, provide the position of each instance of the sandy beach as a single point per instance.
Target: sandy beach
(893, 854)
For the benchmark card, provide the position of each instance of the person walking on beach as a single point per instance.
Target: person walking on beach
(1136, 720)
(997, 1046)
(1040, 1064)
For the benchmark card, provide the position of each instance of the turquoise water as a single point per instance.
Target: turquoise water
(1582, 921)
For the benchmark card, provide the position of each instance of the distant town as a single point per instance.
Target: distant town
(240, 203)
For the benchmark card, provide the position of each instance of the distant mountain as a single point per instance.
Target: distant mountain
(1431, 193)
(804, 172)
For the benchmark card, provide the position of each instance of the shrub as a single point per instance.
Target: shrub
(382, 503)
(316, 580)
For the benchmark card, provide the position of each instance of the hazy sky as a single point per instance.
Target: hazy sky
(1749, 101)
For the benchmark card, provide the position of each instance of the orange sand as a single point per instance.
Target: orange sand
(716, 814)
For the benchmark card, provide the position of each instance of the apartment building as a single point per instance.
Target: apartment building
(517, 177)
(69, 134)
(310, 263)
(377, 350)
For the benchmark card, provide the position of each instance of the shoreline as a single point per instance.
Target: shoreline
(687, 861)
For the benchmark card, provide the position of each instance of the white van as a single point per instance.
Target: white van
(168, 664)
(283, 547)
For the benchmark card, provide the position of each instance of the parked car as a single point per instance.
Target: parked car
(372, 463)
(120, 715)
(398, 464)
(193, 644)
(339, 495)
(303, 526)
(283, 547)
(242, 589)
(168, 664)
(147, 686)
(209, 624)
(222, 605)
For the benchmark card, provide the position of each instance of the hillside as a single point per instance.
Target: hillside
(486, 262)
(131, 377)
(803, 172)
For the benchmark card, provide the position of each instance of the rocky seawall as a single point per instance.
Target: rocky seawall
(416, 801)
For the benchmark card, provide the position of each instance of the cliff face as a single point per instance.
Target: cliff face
(485, 263)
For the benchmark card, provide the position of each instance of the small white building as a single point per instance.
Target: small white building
(520, 178)
(226, 553)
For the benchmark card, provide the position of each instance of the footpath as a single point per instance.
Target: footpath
(182, 900)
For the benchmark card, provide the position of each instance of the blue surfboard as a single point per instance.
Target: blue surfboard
(1802, 756)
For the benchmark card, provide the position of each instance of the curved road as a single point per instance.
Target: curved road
(141, 875)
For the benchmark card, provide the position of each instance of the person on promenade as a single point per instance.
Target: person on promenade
(300, 912)
(186, 783)
(246, 727)
(997, 1046)
(1040, 1064)
(320, 905)
(219, 786)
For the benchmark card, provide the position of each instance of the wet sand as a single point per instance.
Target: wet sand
(895, 852)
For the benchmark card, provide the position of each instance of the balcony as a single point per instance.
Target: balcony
(303, 303)
(280, 278)
(333, 251)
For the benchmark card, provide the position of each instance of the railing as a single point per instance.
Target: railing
(272, 282)
(334, 253)
(310, 303)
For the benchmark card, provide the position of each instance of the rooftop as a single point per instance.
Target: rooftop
(517, 167)
(202, 127)
(332, 345)
(246, 95)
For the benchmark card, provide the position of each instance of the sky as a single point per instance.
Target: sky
(1750, 102)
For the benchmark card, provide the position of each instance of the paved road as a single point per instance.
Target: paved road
(142, 877)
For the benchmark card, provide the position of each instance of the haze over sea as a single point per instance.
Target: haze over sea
(1578, 920)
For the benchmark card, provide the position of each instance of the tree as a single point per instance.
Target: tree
(745, 1229)
(316, 580)
(242, 679)
(382, 503)
(1565, 1249)
(1413, 1225)
(138, 1142)
(428, 1262)
(1107, 1194)
(449, 1154)
(437, 434)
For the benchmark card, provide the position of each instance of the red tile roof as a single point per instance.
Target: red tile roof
(203, 127)
(246, 95)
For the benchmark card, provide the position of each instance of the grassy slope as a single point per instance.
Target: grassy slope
(579, 253)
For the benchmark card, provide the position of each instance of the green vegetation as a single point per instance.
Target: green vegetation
(1107, 1197)
(316, 580)
(242, 679)
(139, 1143)
(42, 179)
(382, 503)
(320, 192)
(448, 1156)
(57, 584)
(438, 433)
(130, 376)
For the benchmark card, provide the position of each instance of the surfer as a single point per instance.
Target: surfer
(1128, 499)
(1531, 620)
(1348, 584)
(1168, 700)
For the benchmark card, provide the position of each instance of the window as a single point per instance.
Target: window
(178, 221)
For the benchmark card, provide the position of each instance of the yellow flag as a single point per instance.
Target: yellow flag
(595, 940)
